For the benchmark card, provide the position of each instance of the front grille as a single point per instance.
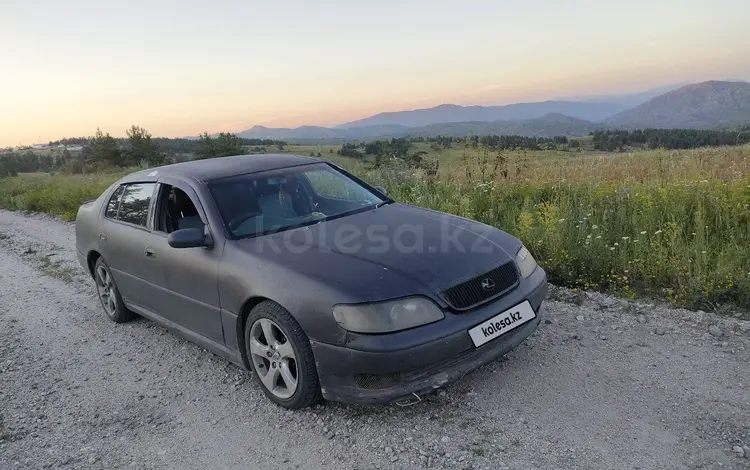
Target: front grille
(483, 287)
(377, 381)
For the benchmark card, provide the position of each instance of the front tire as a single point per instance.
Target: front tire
(281, 357)
(109, 295)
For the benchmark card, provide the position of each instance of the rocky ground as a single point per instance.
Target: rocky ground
(603, 383)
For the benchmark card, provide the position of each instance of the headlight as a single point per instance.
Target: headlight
(526, 263)
(388, 316)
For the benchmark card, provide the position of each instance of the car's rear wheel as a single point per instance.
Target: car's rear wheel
(109, 296)
(281, 357)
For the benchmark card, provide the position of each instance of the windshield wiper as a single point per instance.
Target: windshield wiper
(381, 204)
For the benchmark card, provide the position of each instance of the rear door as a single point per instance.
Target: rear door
(124, 234)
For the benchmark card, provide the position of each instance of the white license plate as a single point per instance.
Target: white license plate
(502, 323)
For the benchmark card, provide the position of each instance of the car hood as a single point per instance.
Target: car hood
(412, 246)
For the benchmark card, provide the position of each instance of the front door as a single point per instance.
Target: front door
(186, 277)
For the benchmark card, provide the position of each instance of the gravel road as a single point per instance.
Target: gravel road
(602, 384)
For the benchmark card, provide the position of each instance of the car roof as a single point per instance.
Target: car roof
(216, 168)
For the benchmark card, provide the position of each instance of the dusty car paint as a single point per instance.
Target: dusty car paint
(204, 293)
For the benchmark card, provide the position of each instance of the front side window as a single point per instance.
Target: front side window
(259, 203)
(176, 211)
(135, 202)
(114, 203)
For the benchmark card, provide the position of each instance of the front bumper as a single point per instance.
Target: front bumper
(383, 375)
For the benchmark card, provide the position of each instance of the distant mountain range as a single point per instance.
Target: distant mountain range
(706, 104)
(701, 105)
(317, 132)
(627, 100)
(511, 112)
(545, 126)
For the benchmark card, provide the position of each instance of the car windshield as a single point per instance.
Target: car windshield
(260, 203)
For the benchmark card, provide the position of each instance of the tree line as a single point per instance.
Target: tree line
(393, 152)
(501, 142)
(27, 162)
(396, 148)
(139, 148)
(611, 141)
(401, 147)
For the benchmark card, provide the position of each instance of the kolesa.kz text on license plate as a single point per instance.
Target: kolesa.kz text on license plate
(502, 323)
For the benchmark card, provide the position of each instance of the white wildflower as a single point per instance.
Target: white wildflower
(657, 232)
(643, 233)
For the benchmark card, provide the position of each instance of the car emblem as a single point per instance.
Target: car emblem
(488, 284)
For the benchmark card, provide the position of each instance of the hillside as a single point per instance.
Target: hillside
(546, 126)
(317, 132)
(626, 100)
(451, 113)
(701, 105)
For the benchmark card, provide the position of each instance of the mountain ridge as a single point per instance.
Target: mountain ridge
(591, 111)
(549, 125)
(319, 132)
(699, 105)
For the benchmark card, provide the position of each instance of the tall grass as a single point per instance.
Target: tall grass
(687, 242)
(59, 195)
(670, 224)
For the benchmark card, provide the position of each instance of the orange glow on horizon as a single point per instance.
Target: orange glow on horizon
(70, 71)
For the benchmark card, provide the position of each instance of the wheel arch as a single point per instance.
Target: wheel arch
(247, 307)
(91, 259)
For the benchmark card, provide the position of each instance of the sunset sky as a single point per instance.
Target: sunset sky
(178, 68)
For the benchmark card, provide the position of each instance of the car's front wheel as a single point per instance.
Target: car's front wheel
(109, 296)
(281, 357)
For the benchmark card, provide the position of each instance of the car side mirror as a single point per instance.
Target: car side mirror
(382, 190)
(188, 238)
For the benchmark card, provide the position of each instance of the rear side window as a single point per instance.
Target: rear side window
(134, 204)
(114, 203)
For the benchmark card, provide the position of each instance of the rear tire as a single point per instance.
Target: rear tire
(281, 357)
(109, 295)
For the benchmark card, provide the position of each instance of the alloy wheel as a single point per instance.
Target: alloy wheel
(273, 358)
(106, 289)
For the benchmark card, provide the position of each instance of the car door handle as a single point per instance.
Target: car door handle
(150, 252)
